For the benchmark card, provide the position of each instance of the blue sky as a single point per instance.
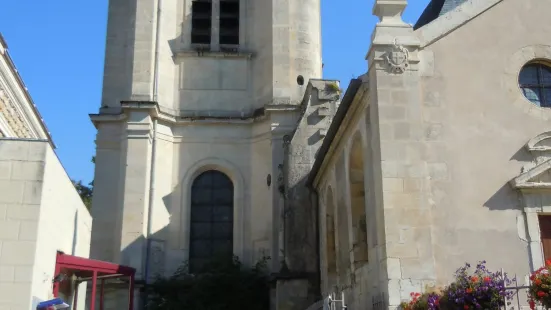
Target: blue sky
(58, 47)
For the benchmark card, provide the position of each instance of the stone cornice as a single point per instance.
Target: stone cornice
(120, 114)
(212, 54)
(18, 108)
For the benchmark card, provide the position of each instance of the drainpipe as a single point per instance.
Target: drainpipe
(153, 153)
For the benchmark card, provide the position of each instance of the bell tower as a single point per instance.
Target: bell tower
(197, 90)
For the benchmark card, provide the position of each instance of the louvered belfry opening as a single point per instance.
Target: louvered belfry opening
(201, 22)
(229, 22)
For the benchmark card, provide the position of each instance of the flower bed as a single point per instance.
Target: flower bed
(480, 289)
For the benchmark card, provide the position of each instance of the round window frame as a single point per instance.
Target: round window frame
(536, 61)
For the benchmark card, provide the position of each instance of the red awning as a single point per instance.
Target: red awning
(92, 270)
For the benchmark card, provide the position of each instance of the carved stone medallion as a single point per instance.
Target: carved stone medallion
(397, 58)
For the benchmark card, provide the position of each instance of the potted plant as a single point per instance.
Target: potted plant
(539, 290)
(481, 289)
(426, 301)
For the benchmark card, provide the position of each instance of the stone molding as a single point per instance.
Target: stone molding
(510, 78)
(535, 196)
(452, 20)
(241, 209)
(13, 117)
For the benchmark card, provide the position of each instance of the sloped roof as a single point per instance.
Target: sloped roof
(435, 9)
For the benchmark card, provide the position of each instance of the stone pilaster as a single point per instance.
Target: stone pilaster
(106, 210)
(407, 259)
(143, 50)
(135, 192)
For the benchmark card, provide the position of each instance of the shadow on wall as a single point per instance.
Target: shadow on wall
(506, 197)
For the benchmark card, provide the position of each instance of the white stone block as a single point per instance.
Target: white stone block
(9, 230)
(11, 191)
(15, 294)
(27, 170)
(14, 150)
(5, 170)
(23, 274)
(22, 212)
(7, 273)
(394, 268)
(37, 151)
(32, 193)
(28, 230)
(17, 253)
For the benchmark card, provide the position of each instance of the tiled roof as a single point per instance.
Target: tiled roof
(435, 9)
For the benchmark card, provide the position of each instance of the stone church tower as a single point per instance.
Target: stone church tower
(197, 97)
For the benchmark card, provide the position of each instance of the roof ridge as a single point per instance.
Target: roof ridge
(435, 9)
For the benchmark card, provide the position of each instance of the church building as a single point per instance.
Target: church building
(216, 134)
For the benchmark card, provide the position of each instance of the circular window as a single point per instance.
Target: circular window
(300, 80)
(535, 83)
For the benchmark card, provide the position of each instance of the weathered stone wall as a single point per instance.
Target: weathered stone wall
(300, 214)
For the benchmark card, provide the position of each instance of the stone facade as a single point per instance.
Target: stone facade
(173, 110)
(40, 211)
(373, 195)
(453, 156)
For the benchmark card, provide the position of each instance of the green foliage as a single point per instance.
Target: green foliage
(85, 192)
(333, 87)
(221, 284)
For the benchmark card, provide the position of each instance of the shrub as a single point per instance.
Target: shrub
(220, 284)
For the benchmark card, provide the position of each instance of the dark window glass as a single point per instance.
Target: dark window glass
(211, 218)
(535, 83)
(229, 22)
(201, 21)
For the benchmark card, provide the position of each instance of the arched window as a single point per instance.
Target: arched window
(535, 83)
(211, 218)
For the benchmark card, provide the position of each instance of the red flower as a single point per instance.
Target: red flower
(469, 290)
(474, 279)
(532, 304)
(487, 279)
(537, 281)
(541, 294)
(548, 262)
(466, 307)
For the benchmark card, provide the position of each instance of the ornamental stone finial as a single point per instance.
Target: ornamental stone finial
(390, 11)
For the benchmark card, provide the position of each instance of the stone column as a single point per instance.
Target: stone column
(407, 260)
